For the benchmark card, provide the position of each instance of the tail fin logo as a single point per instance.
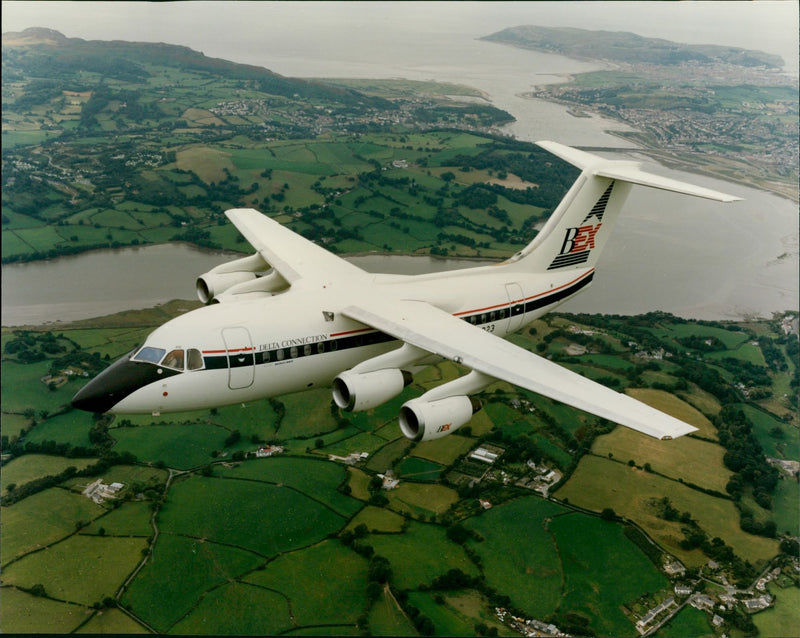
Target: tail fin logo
(579, 240)
(578, 243)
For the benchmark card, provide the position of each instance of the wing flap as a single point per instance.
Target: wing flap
(292, 255)
(427, 327)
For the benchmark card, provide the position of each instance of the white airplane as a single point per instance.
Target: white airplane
(293, 316)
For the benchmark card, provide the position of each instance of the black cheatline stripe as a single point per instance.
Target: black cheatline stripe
(570, 259)
(535, 304)
(371, 338)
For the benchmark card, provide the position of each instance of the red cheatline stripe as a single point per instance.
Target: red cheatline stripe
(350, 332)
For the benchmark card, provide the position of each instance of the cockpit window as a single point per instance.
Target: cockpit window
(174, 360)
(149, 355)
(194, 359)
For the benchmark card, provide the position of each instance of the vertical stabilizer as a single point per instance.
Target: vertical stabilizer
(578, 229)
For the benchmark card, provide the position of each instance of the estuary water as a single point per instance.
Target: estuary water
(691, 257)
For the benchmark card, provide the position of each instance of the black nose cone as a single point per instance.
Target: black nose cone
(115, 383)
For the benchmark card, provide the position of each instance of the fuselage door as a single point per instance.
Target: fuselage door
(241, 357)
(517, 300)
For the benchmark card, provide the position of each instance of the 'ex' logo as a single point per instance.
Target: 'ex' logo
(579, 239)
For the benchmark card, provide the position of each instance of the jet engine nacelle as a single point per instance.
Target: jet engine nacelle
(265, 286)
(354, 392)
(222, 277)
(422, 420)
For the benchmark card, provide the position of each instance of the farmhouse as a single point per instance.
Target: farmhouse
(350, 459)
(268, 450)
(674, 568)
(757, 604)
(99, 491)
(484, 455)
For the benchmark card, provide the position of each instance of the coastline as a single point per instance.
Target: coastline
(676, 160)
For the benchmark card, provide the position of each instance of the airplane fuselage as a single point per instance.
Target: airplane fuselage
(293, 316)
(285, 343)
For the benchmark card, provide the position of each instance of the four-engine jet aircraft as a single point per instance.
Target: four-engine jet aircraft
(294, 316)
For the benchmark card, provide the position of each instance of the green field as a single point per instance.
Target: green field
(22, 613)
(778, 439)
(689, 622)
(161, 594)
(421, 500)
(786, 506)
(339, 580)
(519, 554)
(386, 619)
(378, 519)
(42, 519)
(179, 446)
(33, 466)
(420, 554)
(602, 571)
(279, 518)
(684, 458)
(82, 569)
(237, 608)
(419, 470)
(130, 519)
(318, 480)
(445, 619)
(784, 618)
(598, 483)
(111, 622)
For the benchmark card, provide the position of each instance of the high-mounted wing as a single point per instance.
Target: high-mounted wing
(424, 326)
(292, 255)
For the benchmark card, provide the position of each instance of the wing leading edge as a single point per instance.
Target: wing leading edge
(424, 326)
(292, 255)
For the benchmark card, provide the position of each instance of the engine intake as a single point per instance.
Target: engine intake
(354, 392)
(422, 420)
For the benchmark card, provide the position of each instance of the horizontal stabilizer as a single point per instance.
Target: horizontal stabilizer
(631, 172)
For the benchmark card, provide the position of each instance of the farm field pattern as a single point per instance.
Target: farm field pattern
(206, 538)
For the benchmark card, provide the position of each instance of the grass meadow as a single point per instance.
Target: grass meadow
(689, 622)
(600, 482)
(111, 622)
(41, 520)
(237, 608)
(684, 458)
(325, 584)
(387, 619)
(315, 479)
(32, 466)
(279, 519)
(603, 570)
(81, 569)
(420, 554)
(177, 445)
(783, 618)
(162, 594)
(519, 554)
(23, 613)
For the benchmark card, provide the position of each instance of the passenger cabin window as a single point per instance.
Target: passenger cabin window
(194, 359)
(149, 355)
(174, 360)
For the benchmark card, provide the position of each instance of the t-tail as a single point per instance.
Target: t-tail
(579, 228)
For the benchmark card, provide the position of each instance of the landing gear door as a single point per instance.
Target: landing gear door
(517, 300)
(241, 357)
